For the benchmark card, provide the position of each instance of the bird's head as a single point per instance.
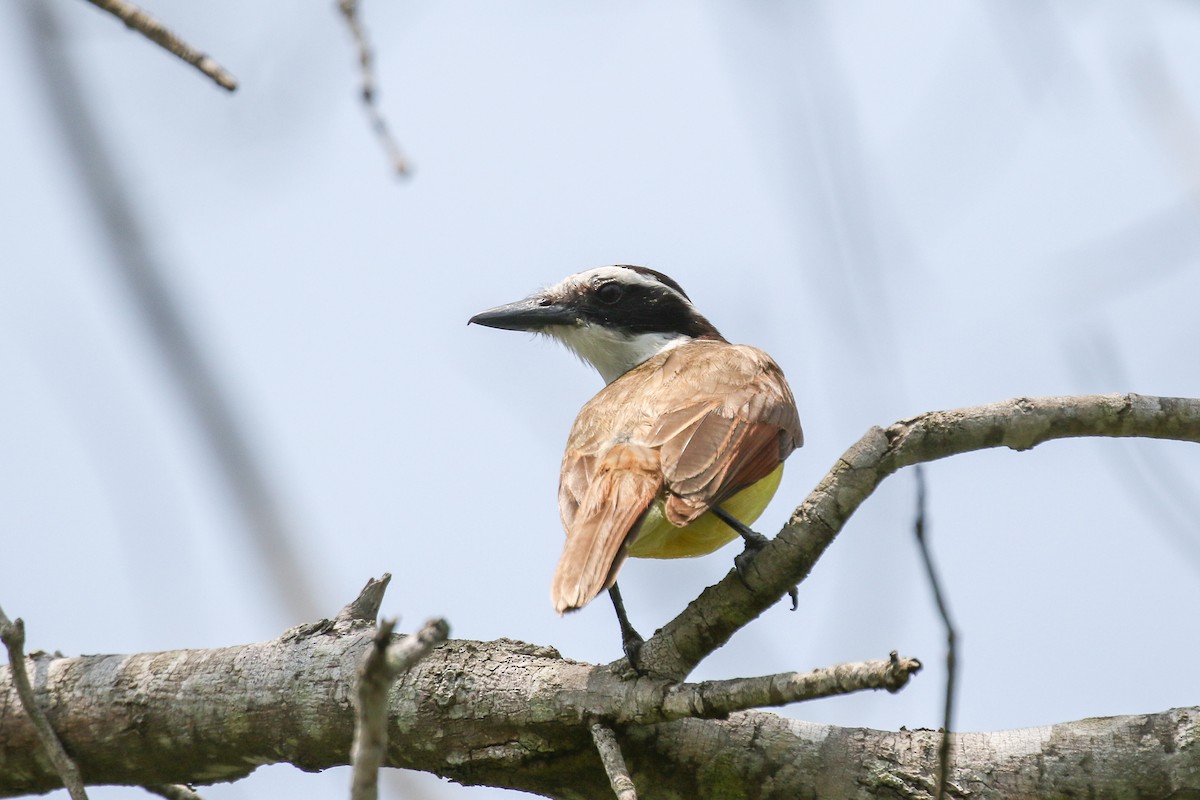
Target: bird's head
(614, 318)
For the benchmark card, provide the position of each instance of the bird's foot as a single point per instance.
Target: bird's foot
(742, 561)
(631, 644)
(631, 640)
(755, 542)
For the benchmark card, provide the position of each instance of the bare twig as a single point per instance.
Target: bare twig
(366, 62)
(172, 791)
(155, 31)
(381, 665)
(717, 699)
(13, 636)
(951, 636)
(370, 729)
(614, 762)
(402, 655)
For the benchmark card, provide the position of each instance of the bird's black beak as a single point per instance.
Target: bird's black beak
(531, 314)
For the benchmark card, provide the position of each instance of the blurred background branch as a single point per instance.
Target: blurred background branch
(138, 20)
(131, 254)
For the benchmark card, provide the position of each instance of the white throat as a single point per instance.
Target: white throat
(611, 353)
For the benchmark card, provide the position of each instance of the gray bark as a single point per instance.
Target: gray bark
(510, 714)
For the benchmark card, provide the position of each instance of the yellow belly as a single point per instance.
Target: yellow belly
(658, 538)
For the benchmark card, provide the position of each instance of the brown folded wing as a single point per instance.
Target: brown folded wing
(694, 425)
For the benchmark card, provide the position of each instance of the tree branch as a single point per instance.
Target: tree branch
(943, 609)
(515, 715)
(13, 636)
(717, 699)
(366, 66)
(138, 20)
(614, 762)
(383, 662)
(1020, 424)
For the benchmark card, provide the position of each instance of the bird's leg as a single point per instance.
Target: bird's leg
(631, 640)
(754, 542)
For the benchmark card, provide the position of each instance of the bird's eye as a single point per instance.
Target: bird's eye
(610, 293)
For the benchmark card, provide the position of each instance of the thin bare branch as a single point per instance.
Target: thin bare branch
(717, 699)
(366, 62)
(370, 731)
(13, 635)
(155, 31)
(1019, 424)
(943, 608)
(614, 762)
(403, 654)
(381, 665)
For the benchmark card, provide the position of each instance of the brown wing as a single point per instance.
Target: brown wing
(601, 500)
(741, 426)
(733, 420)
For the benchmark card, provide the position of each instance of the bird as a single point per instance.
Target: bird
(683, 448)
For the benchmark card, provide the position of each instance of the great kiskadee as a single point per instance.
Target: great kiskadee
(679, 453)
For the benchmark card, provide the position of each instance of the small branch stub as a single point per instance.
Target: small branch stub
(365, 607)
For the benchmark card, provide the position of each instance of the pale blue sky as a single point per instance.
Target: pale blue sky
(910, 206)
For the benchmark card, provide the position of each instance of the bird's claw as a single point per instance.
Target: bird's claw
(631, 667)
(743, 560)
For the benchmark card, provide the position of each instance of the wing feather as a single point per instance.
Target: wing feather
(740, 432)
(731, 421)
(626, 481)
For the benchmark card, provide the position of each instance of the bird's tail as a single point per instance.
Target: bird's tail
(626, 482)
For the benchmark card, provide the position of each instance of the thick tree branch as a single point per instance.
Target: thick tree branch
(1019, 424)
(195, 716)
(760, 755)
(515, 715)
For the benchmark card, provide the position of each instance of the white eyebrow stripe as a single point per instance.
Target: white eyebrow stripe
(617, 273)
